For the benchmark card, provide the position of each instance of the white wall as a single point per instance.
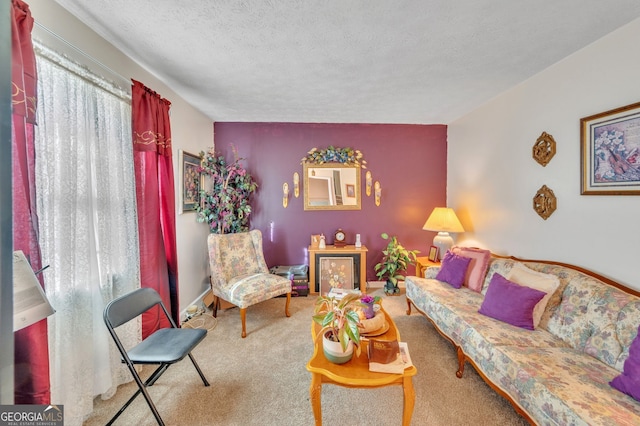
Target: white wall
(492, 176)
(190, 129)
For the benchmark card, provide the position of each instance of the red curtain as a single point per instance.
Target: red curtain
(31, 348)
(156, 201)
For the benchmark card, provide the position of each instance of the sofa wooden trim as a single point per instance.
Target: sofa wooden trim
(462, 357)
(585, 271)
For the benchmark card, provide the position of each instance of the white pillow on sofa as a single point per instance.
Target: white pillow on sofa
(547, 283)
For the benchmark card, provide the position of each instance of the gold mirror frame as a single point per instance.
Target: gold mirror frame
(323, 176)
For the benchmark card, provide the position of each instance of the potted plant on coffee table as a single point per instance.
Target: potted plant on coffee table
(339, 319)
(395, 260)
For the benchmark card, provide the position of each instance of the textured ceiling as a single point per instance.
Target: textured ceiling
(348, 61)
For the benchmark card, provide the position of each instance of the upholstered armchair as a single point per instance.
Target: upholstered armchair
(239, 273)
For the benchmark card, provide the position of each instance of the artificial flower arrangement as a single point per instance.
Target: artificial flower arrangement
(349, 156)
(367, 302)
(225, 204)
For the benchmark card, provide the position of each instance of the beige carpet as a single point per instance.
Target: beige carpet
(262, 379)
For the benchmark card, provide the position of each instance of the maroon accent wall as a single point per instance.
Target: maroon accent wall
(410, 161)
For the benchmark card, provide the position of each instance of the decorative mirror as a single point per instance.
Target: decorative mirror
(331, 186)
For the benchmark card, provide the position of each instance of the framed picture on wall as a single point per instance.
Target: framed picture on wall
(191, 181)
(335, 272)
(351, 191)
(610, 151)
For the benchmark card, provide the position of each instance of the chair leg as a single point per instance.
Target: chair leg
(195, 364)
(243, 319)
(286, 306)
(216, 305)
(142, 388)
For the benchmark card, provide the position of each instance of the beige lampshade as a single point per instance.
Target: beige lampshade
(443, 219)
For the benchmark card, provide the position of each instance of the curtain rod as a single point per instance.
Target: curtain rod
(113, 73)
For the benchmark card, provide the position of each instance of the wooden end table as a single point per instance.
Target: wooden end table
(356, 374)
(422, 263)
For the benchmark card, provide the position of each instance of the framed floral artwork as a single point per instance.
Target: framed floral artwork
(191, 181)
(336, 272)
(610, 151)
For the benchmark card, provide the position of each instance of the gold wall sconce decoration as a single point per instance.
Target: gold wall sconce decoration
(368, 181)
(285, 195)
(377, 192)
(296, 184)
(544, 149)
(545, 202)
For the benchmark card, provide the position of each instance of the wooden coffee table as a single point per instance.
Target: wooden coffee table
(356, 374)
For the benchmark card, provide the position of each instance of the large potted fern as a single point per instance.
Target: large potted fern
(395, 260)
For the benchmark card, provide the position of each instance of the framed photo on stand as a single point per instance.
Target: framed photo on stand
(433, 254)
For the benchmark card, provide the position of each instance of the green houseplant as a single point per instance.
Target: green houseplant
(395, 260)
(224, 204)
(339, 320)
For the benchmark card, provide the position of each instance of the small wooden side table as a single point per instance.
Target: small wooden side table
(422, 263)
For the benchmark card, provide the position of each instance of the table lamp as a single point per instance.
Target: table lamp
(443, 220)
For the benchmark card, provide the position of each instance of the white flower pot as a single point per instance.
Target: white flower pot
(333, 350)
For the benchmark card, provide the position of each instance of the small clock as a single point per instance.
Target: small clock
(339, 238)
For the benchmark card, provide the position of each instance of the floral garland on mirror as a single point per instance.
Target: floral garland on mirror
(349, 156)
(224, 205)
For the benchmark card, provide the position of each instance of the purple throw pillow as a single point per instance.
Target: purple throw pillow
(629, 381)
(510, 302)
(453, 269)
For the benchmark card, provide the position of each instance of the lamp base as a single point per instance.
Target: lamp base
(444, 242)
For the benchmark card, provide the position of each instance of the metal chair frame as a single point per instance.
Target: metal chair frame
(164, 347)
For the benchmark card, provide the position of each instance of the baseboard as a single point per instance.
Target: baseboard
(380, 284)
(199, 302)
(375, 284)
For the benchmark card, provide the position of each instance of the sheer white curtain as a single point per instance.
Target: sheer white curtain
(85, 189)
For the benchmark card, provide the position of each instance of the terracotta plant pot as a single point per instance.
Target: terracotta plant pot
(333, 350)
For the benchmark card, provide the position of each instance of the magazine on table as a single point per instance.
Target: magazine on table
(339, 293)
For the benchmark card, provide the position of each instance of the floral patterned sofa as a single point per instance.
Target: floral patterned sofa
(558, 373)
